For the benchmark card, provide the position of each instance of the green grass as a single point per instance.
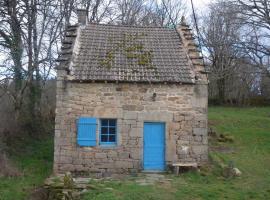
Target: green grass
(34, 159)
(126, 189)
(250, 128)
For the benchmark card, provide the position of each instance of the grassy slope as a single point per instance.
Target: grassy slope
(34, 159)
(250, 127)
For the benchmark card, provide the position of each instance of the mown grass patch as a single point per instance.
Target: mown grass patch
(128, 189)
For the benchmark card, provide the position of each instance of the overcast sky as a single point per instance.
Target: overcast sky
(199, 5)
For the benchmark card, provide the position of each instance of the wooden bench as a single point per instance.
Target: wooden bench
(177, 166)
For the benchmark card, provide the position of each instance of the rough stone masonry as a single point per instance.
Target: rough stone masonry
(183, 109)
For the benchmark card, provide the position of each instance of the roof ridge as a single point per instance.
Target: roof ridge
(131, 26)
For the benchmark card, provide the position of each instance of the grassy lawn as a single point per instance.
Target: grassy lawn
(250, 128)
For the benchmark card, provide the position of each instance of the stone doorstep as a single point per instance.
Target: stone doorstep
(152, 172)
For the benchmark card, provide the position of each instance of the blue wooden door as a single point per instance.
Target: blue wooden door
(154, 146)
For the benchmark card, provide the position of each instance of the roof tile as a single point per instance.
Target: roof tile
(126, 53)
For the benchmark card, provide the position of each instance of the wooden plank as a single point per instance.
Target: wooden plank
(177, 166)
(185, 164)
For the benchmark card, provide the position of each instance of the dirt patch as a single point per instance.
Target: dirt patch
(224, 138)
(39, 194)
(7, 168)
(213, 122)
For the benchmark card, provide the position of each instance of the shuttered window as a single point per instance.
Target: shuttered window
(108, 131)
(86, 135)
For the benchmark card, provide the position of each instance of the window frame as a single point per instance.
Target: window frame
(108, 126)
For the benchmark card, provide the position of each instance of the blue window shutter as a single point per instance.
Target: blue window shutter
(86, 135)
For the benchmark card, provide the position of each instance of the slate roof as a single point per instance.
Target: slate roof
(129, 54)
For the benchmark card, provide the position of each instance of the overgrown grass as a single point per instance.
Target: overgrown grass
(250, 128)
(34, 160)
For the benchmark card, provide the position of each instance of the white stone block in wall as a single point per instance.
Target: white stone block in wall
(130, 115)
(200, 149)
(199, 131)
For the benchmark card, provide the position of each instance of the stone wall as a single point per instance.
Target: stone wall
(182, 107)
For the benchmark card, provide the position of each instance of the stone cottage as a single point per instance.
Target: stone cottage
(129, 99)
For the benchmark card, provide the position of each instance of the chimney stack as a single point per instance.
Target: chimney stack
(82, 16)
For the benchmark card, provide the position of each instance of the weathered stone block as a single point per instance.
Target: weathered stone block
(130, 115)
(171, 154)
(173, 98)
(101, 155)
(143, 90)
(133, 107)
(198, 138)
(175, 126)
(112, 154)
(200, 149)
(123, 164)
(135, 153)
(66, 167)
(136, 132)
(124, 155)
(189, 118)
(205, 140)
(183, 150)
(199, 131)
(178, 117)
(65, 160)
(155, 116)
(133, 143)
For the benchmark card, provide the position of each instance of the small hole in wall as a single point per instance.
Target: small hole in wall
(154, 96)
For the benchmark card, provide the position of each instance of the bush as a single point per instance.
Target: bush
(7, 169)
(259, 101)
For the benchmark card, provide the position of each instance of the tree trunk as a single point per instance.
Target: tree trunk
(221, 90)
(16, 49)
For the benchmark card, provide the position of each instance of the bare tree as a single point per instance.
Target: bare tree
(255, 12)
(148, 12)
(30, 31)
(129, 11)
(98, 10)
(256, 16)
(11, 42)
(221, 36)
(166, 13)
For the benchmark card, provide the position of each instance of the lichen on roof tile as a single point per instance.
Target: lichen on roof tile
(126, 53)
